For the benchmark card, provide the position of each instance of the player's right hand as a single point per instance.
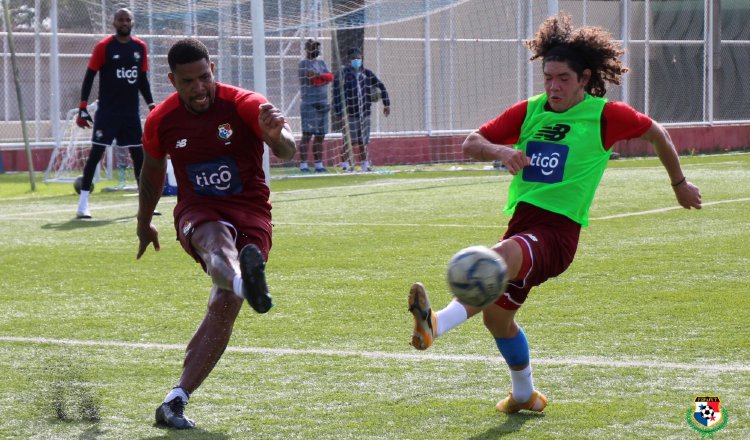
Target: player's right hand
(83, 119)
(514, 160)
(147, 233)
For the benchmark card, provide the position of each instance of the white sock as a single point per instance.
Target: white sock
(237, 286)
(176, 392)
(318, 165)
(345, 164)
(523, 384)
(303, 166)
(83, 201)
(365, 165)
(452, 315)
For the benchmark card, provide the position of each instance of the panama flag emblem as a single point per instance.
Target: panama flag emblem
(707, 411)
(707, 416)
(225, 132)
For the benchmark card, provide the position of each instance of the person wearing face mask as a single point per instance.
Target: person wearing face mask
(355, 88)
(314, 78)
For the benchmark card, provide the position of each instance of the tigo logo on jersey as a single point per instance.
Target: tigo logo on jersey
(225, 132)
(547, 162)
(706, 416)
(130, 74)
(219, 177)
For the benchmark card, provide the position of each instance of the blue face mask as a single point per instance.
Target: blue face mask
(357, 63)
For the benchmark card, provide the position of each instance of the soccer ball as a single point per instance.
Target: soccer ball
(707, 412)
(78, 183)
(477, 276)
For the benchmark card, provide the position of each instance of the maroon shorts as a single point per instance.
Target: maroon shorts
(548, 241)
(247, 226)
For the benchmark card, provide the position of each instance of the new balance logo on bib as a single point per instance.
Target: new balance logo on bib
(554, 133)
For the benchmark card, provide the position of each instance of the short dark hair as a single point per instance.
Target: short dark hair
(353, 52)
(186, 51)
(311, 44)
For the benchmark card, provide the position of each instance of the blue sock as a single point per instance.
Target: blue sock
(515, 350)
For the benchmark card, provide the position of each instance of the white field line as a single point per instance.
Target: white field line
(671, 208)
(172, 200)
(458, 225)
(576, 361)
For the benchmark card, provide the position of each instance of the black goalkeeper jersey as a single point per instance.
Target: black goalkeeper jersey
(119, 66)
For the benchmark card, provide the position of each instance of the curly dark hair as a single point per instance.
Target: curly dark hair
(587, 47)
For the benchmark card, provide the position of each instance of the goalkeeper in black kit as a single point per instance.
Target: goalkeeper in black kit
(122, 63)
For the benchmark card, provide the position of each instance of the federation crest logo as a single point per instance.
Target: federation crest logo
(225, 132)
(707, 416)
(187, 228)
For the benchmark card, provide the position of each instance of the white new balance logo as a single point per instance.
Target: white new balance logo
(182, 143)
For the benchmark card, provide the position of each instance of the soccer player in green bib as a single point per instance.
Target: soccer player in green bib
(556, 145)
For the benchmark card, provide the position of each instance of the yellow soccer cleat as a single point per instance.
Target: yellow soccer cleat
(425, 322)
(537, 402)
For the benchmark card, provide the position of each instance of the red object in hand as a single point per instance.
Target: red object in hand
(321, 80)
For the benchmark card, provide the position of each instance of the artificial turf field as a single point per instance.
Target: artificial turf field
(654, 311)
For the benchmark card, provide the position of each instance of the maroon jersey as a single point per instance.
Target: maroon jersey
(218, 155)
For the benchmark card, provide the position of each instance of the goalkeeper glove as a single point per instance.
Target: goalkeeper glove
(84, 118)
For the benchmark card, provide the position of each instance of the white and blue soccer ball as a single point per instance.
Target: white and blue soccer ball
(477, 276)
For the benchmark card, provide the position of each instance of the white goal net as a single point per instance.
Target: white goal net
(69, 157)
(448, 65)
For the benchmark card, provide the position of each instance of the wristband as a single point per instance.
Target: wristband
(680, 182)
(83, 104)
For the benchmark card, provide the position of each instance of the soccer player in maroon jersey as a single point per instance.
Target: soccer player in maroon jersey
(214, 135)
(122, 63)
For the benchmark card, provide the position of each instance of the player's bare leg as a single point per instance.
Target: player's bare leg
(214, 243)
(211, 339)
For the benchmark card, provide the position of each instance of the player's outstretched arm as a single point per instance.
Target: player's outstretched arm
(276, 132)
(688, 195)
(479, 148)
(150, 188)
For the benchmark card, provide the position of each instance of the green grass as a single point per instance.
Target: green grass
(653, 312)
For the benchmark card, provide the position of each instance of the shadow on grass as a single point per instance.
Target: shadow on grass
(196, 433)
(74, 224)
(513, 423)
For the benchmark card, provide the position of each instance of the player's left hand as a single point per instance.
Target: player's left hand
(271, 120)
(688, 195)
(147, 234)
(386, 111)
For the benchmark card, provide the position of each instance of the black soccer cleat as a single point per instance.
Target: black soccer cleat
(254, 287)
(172, 414)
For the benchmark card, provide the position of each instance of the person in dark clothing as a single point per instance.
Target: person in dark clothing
(355, 88)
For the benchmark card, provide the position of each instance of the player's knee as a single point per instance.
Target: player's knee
(223, 306)
(498, 325)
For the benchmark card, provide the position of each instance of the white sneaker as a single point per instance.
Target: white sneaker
(84, 214)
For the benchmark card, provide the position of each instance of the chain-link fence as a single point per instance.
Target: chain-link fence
(448, 65)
